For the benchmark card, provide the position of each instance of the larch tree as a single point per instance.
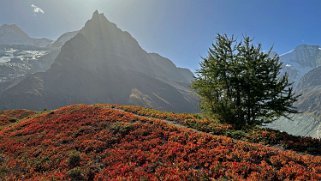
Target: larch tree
(243, 85)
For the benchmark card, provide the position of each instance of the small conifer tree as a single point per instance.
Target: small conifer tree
(243, 85)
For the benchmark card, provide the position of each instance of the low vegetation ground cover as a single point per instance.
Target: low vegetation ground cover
(102, 142)
(255, 135)
(8, 117)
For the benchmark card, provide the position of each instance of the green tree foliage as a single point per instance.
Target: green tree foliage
(242, 85)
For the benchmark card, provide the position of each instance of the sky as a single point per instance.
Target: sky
(181, 30)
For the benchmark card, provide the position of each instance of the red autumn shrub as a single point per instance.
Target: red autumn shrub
(111, 144)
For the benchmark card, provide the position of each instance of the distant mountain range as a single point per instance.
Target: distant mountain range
(21, 55)
(13, 35)
(103, 64)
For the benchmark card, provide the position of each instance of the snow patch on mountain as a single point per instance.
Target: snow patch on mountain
(300, 61)
(287, 52)
(14, 55)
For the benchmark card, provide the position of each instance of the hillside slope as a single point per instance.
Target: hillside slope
(107, 142)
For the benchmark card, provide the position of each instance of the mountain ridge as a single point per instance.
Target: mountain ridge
(14, 35)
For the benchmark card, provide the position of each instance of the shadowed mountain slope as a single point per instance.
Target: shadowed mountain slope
(105, 64)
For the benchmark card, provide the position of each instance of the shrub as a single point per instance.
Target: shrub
(74, 159)
(121, 128)
(237, 134)
(75, 174)
(13, 120)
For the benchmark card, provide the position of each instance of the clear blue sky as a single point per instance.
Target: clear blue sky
(181, 30)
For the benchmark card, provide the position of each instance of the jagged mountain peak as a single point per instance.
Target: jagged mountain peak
(99, 30)
(98, 19)
(109, 43)
(96, 13)
(98, 16)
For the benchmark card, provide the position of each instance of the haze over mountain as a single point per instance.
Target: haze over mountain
(105, 64)
(13, 35)
(64, 38)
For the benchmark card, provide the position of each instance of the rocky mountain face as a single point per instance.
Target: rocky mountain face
(310, 89)
(103, 64)
(303, 67)
(305, 62)
(301, 60)
(20, 56)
